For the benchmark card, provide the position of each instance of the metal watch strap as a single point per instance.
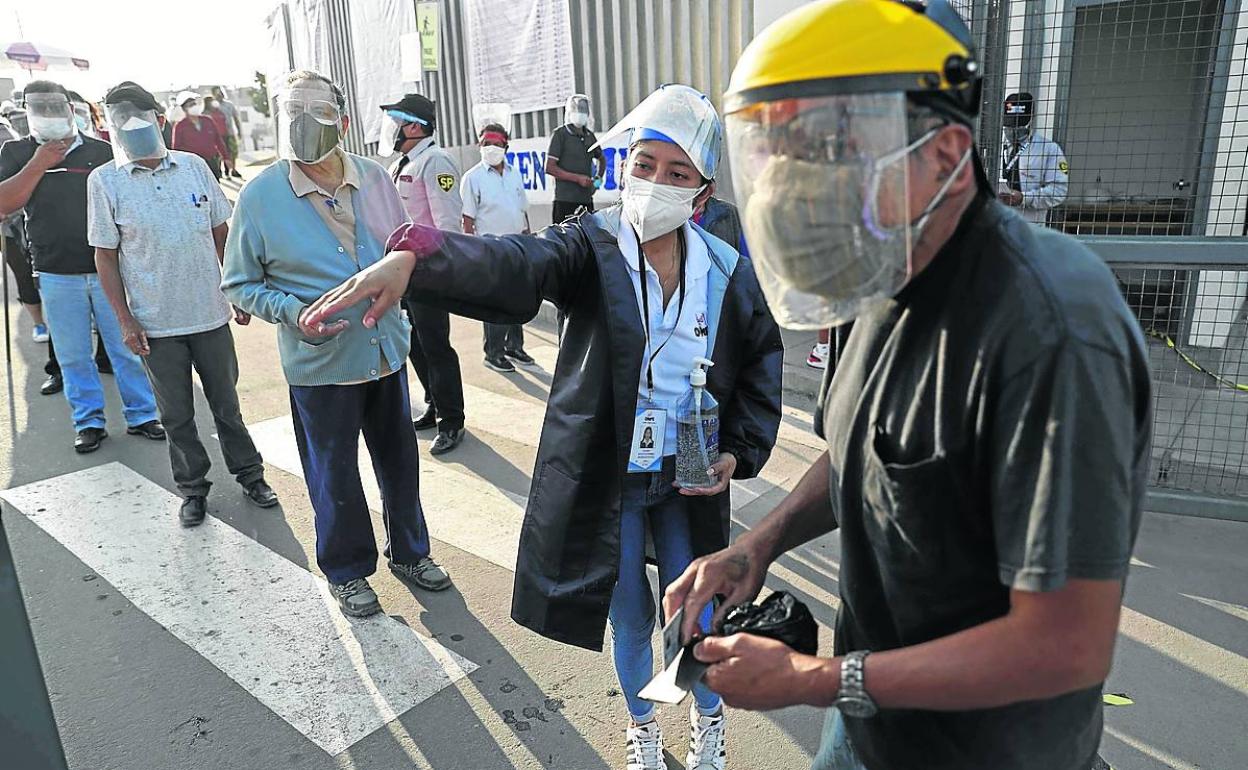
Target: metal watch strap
(853, 679)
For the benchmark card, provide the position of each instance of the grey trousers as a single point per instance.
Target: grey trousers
(169, 368)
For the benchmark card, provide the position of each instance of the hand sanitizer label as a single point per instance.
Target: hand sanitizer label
(649, 431)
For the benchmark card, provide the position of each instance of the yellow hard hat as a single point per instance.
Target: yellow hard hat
(862, 46)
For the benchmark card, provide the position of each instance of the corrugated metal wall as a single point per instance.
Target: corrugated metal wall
(621, 51)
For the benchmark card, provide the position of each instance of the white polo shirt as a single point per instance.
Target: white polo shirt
(495, 201)
(687, 328)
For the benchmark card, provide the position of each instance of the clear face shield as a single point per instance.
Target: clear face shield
(682, 115)
(134, 133)
(392, 123)
(824, 190)
(50, 116)
(576, 110)
(309, 125)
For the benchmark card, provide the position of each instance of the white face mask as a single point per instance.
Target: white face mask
(491, 155)
(51, 129)
(195, 110)
(657, 209)
(578, 119)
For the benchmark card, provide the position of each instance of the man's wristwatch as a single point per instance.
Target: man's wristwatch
(853, 700)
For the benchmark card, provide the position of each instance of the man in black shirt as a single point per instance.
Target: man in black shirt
(46, 174)
(988, 426)
(570, 160)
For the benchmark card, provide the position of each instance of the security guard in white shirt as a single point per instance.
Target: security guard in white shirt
(1034, 168)
(428, 183)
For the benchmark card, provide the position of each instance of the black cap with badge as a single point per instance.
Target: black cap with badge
(417, 107)
(1018, 110)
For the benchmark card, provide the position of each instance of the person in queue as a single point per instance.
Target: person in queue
(988, 426)
(303, 225)
(644, 291)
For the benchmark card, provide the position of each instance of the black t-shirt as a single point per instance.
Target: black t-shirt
(571, 148)
(56, 214)
(988, 430)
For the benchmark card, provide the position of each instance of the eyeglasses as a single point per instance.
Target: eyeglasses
(323, 111)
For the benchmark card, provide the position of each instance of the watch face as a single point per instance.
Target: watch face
(858, 708)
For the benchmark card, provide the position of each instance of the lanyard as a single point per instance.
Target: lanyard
(645, 307)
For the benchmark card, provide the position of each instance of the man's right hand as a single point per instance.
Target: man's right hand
(736, 573)
(585, 181)
(315, 330)
(50, 154)
(133, 335)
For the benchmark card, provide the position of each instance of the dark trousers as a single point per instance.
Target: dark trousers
(437, 364)
(169, 365)
(561, 210)
(501, 338)
(214, 165)
(328, 422)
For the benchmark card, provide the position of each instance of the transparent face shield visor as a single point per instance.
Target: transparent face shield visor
(576, 110)
(309, 125)
(686, 117)
(134, 133)
(392, 123)
(823, 185)
(50, 116)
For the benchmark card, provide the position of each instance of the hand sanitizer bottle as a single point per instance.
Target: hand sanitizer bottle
(697, 431)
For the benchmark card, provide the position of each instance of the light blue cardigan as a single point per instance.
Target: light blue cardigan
(281, 257)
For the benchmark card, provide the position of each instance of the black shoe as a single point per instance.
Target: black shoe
(151, 429)
(104, 365)
(235, 174)
(193, 510)
(446, 440)
(89, 440)
(520, 357)
(54, 384)
(500, 364)
(261, 494)
(426, 421)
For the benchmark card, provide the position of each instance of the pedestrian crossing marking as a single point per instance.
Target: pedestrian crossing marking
(265, 622)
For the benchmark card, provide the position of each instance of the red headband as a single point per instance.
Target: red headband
(494, 136)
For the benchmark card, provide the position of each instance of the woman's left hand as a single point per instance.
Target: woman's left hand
(721, 471)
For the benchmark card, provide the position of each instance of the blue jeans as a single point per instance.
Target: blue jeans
(835, 752)
(648, 497)
(70, 302)
(328, 422)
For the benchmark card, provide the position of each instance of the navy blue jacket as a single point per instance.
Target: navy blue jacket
(569, 545)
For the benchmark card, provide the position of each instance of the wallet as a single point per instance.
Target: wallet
(779, 616)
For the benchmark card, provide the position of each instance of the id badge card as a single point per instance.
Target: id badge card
(645, 453)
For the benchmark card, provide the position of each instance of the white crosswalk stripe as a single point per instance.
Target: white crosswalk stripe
(265, 622)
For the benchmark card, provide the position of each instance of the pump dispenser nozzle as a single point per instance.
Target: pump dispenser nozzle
(697, 377)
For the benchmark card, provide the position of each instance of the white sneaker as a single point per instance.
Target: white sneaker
(645, 747)
(707, 746)
(818, 358)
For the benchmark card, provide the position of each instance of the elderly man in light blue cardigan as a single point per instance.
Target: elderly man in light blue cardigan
(301, 228)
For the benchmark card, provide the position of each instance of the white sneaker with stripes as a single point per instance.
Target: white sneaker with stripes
(645, 747)
(707, 746)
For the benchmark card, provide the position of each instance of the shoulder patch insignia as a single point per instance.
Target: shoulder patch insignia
(1063, 167)
(446, 182)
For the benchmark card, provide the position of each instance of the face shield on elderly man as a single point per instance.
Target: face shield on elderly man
(679, 115)
(824, 170)
(310, 125)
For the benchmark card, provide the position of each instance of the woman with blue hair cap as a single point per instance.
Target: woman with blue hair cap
(645, 292)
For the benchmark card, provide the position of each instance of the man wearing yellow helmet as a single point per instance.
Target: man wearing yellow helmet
(988, 426)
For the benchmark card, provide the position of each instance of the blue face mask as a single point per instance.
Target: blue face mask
(142, 142)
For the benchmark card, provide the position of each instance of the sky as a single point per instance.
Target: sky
(160, 44)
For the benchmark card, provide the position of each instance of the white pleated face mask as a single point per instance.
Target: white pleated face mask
(657, 209)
